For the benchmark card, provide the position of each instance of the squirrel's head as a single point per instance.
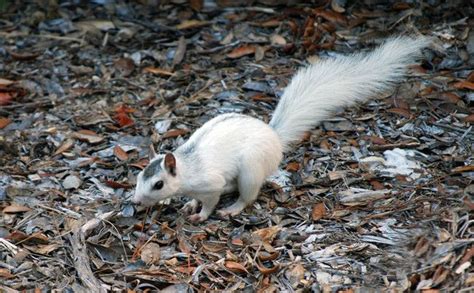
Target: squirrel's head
(158, 181)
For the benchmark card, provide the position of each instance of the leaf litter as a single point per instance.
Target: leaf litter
(378, 197)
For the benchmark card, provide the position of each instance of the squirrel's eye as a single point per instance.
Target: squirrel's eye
(158, 185)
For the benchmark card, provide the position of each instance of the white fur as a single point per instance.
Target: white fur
(317, 90)
(234, 151)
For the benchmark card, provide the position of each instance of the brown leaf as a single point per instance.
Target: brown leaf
(37, 237)
(157, 71)
(180, 51)
(450, 97)
(270, 23)
(295, 274)
(150, 253)
(241, 51)
(377, 140)
(468, 119)
(184, 270)
(66, 145)
(5, 274)
(440, 275)
(377, 185)
(468, 255)
(196, 4)
(12, 209)
(421, 246)
(266, 270)
(5, 98)
(122, 117)
(88, 136)
(23, 56)
(332, 16)
(175, 133)
(265, 255)
(464, 85)
(184, 245)
(5, 82)
(325, 145)
(277, 40)
(46, 249)
(293, 167)
(124, 66)
(462, 169)
(319, 211)
(120, 153)
(235, 267)
(400, 111)
(267, 234)
(4, 122)
(192, 23)
(116, 185)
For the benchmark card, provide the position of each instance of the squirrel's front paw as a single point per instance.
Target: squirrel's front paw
(197, 218)
(190, 207)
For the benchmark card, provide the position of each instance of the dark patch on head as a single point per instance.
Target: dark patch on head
(153, 168)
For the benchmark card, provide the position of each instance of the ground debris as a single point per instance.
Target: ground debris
(379, 197)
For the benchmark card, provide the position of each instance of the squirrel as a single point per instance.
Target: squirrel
(238, 152)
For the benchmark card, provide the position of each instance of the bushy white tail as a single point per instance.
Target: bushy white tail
(316, 91)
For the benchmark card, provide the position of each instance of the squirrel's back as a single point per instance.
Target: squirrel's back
(227, 141)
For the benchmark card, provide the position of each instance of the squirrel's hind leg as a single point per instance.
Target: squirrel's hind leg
(249, 182)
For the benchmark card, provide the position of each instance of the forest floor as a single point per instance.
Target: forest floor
(380, 196)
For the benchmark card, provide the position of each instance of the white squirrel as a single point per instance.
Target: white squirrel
(238, 152)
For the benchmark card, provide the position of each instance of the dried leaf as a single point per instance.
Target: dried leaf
(4, 122)
(124, 66)
(88, 136)
(464, 85)
(293, 167)
(277, 40)
(122, 115)
(120, 153)
(196, 4)
(5, 98)
(241, 51)
(116, 185)
(5, 274)
(468, 119)
(332, 16)
(16, 209)
(235, 267)
(193, 23)
(5, 82)
(66, 145)
(151, 253)
(295, 274)
(46, 249)
(400, 111)
(23, 56)
(180, 51)
(267, 234)
(462, 169)
(266, 270)
(175, 133)
(319, 211)
(157, 71)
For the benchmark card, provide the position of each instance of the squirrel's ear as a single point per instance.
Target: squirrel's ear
(151, 152)
(170, 163)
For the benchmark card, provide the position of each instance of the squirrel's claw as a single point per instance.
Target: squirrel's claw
(196, 218)
(190, 207)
